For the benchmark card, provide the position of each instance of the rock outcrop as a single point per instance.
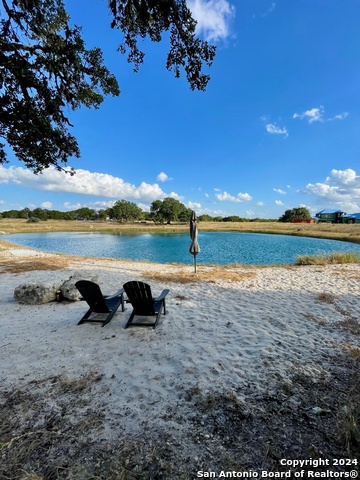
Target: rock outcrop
(69, 290)
(38, 293)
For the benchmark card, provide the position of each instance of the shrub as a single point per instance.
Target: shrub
(330, 259)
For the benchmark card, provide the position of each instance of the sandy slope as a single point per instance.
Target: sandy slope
(246, 339)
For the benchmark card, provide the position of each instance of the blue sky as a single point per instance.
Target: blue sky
(277, 128)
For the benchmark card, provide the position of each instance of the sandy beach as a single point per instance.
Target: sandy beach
(246, 369)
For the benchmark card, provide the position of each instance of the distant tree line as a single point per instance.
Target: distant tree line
(161, 211)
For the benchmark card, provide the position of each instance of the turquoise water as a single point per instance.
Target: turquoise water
(220, 248)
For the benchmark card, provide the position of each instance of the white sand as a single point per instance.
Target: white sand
(242, 337)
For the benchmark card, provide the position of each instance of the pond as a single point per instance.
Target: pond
(221, 248)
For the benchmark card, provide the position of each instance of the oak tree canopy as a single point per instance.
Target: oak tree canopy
(299, 213)
(46, 69)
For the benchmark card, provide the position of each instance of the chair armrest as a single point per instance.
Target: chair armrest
(162, 295)
(117, 294)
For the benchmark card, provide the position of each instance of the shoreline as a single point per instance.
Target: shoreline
(332, 257)
(267, 356)
(342, 232)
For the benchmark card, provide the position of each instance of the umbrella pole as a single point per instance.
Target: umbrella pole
(195, 262)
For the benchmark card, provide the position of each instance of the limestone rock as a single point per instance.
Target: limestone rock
(36, 293)
(69, 290)
(39, 293)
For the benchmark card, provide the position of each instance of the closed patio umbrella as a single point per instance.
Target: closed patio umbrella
(194, 247)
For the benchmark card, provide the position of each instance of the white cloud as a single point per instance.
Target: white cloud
(213, 18)
(317, 115)
(269, 10)
(194, 206)
(74, 206)
(278, 190)
(259, 204)
(340, 116)
(340, 190)
(213, 213)
(94, 205)
(172, 195)
(275, 130)
(347, 176)
(312, 115)
(46, 205)
(162, 177)
(85, 183)
(279, 202)
(101, 205)
(226, 197)
(144, 207)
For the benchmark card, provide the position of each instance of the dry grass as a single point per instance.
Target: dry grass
(348, 273)
(40, 419)
(28, 264)
(75, 386)
(313, 318)
(4, 245)
(325, 298)
(353, 350)
(9, 226)
(49, 431)
(349, 323)
(180, 297)
(204, 274)
(31, 264)
(349, 432)
(10, 263)
(302, 432)
(348, 425)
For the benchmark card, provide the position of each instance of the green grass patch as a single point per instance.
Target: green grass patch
(329, 259)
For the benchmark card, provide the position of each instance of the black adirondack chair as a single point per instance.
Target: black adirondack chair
(99, 303)
(144, 304)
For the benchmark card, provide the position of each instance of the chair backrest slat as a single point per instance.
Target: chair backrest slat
(139, 294)
(91, 293)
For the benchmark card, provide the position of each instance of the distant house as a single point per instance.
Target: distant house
(301, 220)
(351, 218)
(330, 215)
